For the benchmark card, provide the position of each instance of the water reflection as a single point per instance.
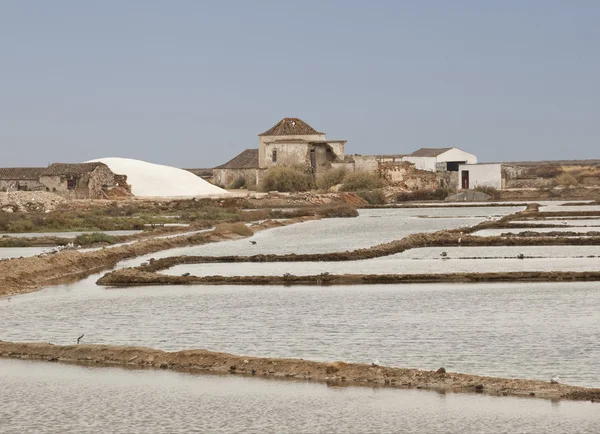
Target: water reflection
(53, 398)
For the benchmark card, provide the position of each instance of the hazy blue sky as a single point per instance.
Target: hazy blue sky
(191, 83)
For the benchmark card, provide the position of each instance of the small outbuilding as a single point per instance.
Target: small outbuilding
(440, 159)
(21, 178)
(471, 176)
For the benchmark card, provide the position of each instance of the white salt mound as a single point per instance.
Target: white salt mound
(155, 180)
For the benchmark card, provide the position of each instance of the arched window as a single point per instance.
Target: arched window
(274, 156)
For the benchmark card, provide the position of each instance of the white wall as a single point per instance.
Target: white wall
(422, 163)
(456, 154)
(489, 175)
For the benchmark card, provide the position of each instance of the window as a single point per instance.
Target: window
(274, 156)
(71, 184)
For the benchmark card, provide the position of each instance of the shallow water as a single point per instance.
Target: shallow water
(390, 265)
(55, 398)
(528, 330)
(562, 222)
(17, 252)
(498, 232)
(372, 227)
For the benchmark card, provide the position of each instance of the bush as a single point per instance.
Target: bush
(96, 237)
(566, 180)
(360, 181)
(547, 172)
(373, 197)
(490, 191)
(284, 179)
(331, 178)
(341, 210)
(238, 183)
(408, 196)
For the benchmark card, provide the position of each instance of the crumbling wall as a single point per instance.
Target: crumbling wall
(21, 185)
(404, 174)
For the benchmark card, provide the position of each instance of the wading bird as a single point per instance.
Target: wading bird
(252, 242)
(555, 379)
(444, 254)
(79, 338)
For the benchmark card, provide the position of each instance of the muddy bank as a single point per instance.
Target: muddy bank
(336, 372)
(28, 274)
(138, 277)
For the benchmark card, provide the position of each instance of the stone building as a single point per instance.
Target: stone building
(74, 181)
(21, 178)
(290, 142)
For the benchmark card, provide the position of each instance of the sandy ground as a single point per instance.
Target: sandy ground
(336, 372)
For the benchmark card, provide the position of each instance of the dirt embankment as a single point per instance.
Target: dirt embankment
(136, 277)
(336, 372)
(28, 274)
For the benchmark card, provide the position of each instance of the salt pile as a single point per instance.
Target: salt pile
(155, 180)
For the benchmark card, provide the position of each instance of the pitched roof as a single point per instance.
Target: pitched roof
(429, 152)
(64, 169)
(248, 159)
(290, 127)
(21, 173)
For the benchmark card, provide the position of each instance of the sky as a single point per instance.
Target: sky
(191, 83)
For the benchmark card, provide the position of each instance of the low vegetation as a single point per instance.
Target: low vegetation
(331, 178)
(409, 196)
(94, 238)
(373, 197)
(566, 180)
(287, 179)
(361, 181)
(341, 210)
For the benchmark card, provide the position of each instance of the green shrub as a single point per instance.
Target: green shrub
(331, 178)
(96, 237)
(284, 179)
(21, 225)
(373, 197)
(240, 182)
(360, 181)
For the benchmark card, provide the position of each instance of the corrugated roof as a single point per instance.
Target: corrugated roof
(64, 169)
(21, 173)
(429, 152)
(290, 127)
(248, 159)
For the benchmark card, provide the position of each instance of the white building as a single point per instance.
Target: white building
(440, 159)
(484, 175)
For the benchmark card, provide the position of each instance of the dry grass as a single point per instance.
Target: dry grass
(287, 179)
(361, 181)
(331, 178)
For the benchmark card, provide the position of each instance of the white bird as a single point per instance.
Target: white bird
(555, 379)
(375, 363)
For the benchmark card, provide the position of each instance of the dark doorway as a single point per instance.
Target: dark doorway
(452, 166)
(313, 160)
(465, 179)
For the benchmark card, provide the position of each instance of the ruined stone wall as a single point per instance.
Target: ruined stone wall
(23, 185)
(226, 177)
(87, 186)
(404, 174)
(264, 156)
(288, 154)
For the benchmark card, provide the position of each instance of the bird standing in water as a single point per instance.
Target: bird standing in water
(79, 338)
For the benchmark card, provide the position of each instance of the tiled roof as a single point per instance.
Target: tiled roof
(21, 173)
(290, 127)
(429, 152)
(64, 169)
(248, 159)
